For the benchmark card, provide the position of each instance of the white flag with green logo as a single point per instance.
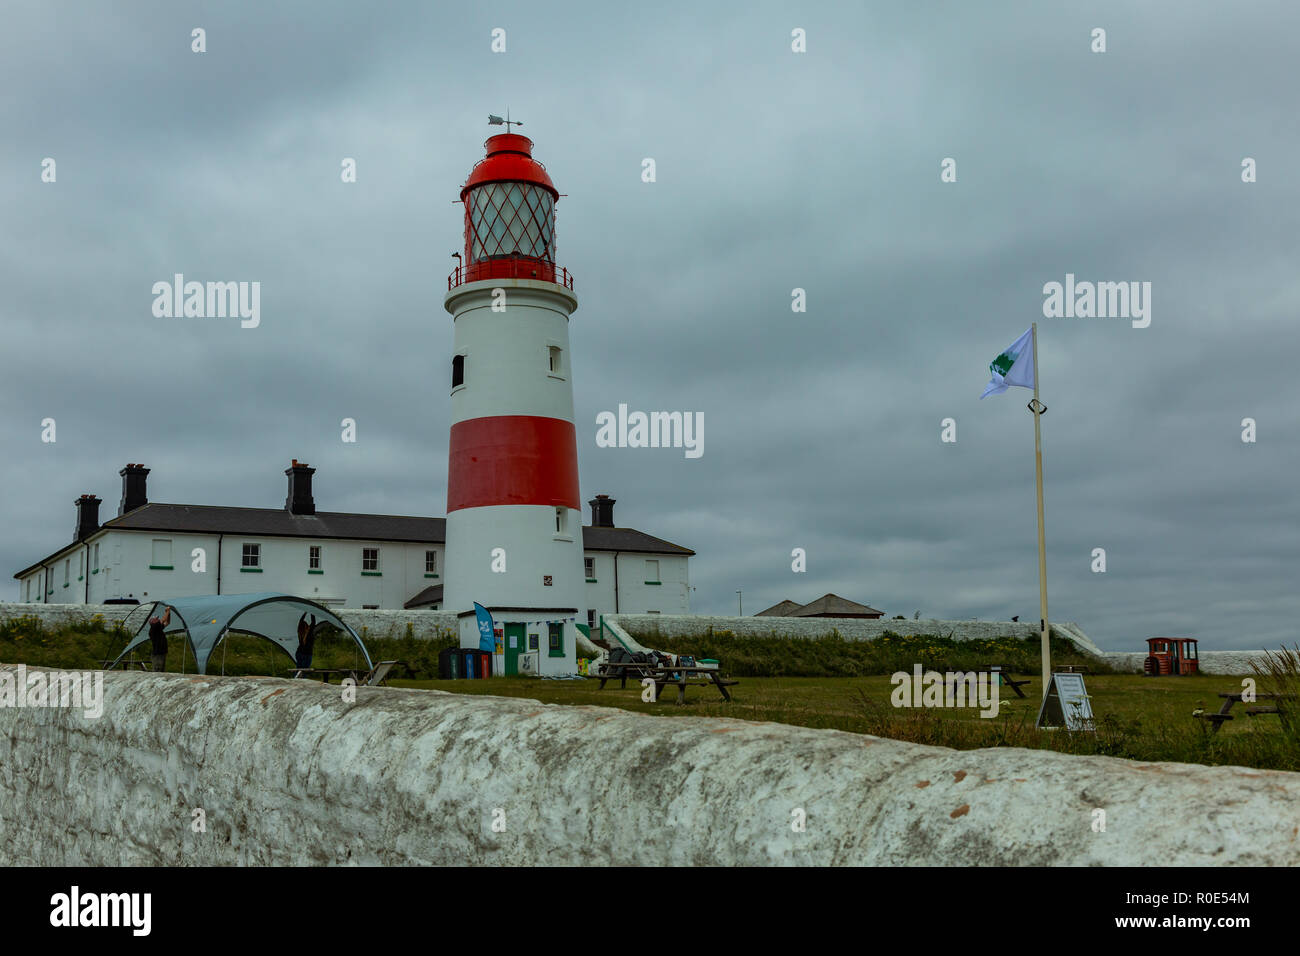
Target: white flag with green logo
(1013, 366)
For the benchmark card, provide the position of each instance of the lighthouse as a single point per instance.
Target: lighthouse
(514, 520)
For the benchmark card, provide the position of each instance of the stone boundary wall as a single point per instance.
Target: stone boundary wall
(287, 773)
(1211, 662)
(425, 624)
(57, 615)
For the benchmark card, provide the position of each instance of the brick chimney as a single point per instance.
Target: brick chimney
(133, 488)
(602, 511)
(300, 501)
(87, 517)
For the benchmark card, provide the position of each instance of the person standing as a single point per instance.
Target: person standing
(306, 642)
(158, 637)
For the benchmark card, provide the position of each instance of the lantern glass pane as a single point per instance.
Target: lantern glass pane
(511, 219)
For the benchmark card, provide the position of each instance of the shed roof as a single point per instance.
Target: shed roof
(785, 608)
(430, 595)
(832, 605)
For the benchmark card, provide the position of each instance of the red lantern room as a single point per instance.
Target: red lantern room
(509, 217)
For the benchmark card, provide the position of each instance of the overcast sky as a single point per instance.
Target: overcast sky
(775, 170)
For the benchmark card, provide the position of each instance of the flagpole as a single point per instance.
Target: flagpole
(1038, 408)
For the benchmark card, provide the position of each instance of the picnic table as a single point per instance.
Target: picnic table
(678, 675)
(1216, 720)
(128, 664)
(681, 677)
(1004, 673)
(621, 670)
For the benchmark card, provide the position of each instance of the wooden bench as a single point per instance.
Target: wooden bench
(621, 670)
(681, 677)
(1216, 720)
(663, 675)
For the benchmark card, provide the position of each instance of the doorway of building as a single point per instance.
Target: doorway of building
(514, 647)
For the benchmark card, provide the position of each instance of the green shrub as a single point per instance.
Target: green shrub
(1278, 674)
(84, 644)
(835, 656)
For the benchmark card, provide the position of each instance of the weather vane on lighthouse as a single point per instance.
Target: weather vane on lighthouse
(494, 120)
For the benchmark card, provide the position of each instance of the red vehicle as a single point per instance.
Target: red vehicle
(1170, 656)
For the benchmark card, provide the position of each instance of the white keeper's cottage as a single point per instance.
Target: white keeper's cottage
(153, 552)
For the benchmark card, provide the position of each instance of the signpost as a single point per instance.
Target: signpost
(1066, 704)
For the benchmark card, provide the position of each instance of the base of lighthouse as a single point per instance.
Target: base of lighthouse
(530, 579)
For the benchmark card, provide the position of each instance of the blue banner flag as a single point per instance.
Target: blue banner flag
(486, 642)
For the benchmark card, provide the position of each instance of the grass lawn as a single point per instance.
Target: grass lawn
(1143, 718)
(1137, 717)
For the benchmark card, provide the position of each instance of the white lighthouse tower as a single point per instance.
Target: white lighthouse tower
(514, 520)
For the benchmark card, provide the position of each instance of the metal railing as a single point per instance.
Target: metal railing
(510, 268)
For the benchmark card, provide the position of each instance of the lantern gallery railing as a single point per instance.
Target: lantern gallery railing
(510, 268)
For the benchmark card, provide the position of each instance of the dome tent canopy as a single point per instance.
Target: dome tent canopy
(206, 618)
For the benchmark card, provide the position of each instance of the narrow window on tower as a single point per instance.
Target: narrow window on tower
(556, 360)
(457, 371)
(559, 521)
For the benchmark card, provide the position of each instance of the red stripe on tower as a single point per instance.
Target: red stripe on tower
(513, 460)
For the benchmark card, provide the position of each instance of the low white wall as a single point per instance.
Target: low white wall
(288, 774)
(57, 615)
(377, 623)
(1211, 662)
(424, 624)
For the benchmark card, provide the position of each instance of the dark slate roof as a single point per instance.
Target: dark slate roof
(278, 522)
(830, 605)
(626, 539)
(430, 595)
(784, 609)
